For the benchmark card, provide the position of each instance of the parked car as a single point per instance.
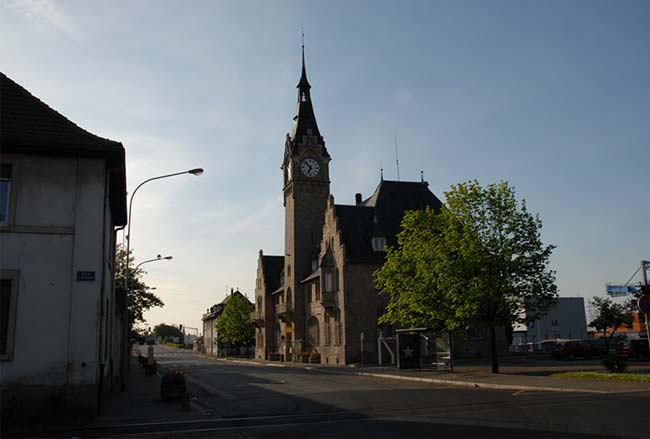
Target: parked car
(569, 350)
(637, 349)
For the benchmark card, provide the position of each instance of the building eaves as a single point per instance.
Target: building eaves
(29, 126)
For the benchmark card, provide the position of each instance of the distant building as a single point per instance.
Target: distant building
(210, 333)
(567, 320)
(62, 193)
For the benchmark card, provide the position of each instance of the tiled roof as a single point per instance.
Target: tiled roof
(380, 216)
(356, 224)
(29, 126)
(392, 199)
(272, 266)
(28, 123)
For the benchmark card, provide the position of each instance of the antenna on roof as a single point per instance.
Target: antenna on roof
(382, 174)
(396, 157)
(421, 176)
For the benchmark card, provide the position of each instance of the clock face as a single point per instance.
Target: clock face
(310, 167)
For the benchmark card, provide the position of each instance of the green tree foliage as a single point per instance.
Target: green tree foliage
(167, 331)
(609, 317)
(479, 261)
(141, 298)
(233, 325)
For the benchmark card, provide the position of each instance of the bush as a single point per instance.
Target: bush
(614, 363)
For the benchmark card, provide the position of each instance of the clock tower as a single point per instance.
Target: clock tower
(306, 189)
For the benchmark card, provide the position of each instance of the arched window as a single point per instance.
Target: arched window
(313, 333)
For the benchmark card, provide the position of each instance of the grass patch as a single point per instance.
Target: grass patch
(606, 376)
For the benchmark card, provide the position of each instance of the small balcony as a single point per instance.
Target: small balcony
(284, 311)
(257, 319)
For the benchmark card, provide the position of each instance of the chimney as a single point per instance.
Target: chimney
(357, 198)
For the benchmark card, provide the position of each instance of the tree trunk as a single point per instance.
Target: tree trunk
(493, 350)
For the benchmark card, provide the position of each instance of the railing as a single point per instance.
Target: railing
(337, 333)
(257, 318)
(332, 334)
(283, 308)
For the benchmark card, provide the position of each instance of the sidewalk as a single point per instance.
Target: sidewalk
(141, 403)
(517, 378)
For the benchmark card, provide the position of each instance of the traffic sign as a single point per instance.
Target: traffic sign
(621, 290)
(644, 304)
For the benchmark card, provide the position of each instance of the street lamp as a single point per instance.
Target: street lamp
(157, 258)
(196, 172)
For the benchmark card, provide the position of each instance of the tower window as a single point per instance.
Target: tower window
(328, 284)
(378, 243)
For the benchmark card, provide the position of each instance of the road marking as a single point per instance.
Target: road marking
(210, 389)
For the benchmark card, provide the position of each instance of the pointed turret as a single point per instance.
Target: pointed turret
(304, 120)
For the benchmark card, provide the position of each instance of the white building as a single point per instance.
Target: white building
(62, 193)
(566, 321)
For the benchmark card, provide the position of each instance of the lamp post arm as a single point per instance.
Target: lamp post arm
(144, 262)
(128, 230)
(128, 233)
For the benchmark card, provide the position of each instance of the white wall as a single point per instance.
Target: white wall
(60, 228)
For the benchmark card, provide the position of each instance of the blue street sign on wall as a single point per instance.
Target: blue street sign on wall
(85, 276)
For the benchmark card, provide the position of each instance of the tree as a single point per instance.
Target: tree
(167, 331)
(610, 316)
(140, 297)
(479, 261)
(233, 325)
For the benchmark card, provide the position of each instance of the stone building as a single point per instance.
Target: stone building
(316, 300)
(62, 195)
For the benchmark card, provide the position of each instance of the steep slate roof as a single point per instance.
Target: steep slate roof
(29, 126)
(380, 216)
(356, 225)
(272, 266)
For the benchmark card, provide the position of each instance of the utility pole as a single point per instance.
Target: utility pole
(645, 265)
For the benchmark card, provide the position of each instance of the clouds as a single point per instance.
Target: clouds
(44, 14)
(469, 92)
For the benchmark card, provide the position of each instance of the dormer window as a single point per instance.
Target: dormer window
(378, 243)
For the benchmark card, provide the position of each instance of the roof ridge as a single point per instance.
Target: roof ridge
(45, 107)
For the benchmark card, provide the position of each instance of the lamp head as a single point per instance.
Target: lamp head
(196, 171)
(169, 258)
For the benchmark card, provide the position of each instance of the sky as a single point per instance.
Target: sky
(552, 97)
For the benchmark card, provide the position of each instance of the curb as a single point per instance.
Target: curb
(252, 363)
(480, 385)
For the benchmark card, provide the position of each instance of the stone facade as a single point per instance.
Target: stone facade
(315, 302)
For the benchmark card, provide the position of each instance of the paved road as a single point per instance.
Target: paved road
(240, 400)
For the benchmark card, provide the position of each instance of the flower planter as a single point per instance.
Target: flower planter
(172, 386)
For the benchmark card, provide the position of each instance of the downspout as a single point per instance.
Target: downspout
(68, 366)
(101, 351)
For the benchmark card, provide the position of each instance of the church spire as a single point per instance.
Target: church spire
(304, 120)
(303, 83)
